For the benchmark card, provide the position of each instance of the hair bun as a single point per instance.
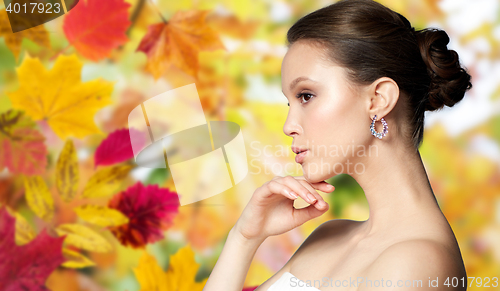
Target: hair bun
(449, 80)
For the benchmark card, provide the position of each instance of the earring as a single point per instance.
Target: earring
(379, 135)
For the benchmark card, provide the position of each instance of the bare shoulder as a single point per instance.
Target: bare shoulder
(414, 263)
(327, 233)
(324, 231)
(332, 228)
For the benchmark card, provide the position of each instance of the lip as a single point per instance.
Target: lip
(297, 150)
(300, 157)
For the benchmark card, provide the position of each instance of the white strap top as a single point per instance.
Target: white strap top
(288, 282)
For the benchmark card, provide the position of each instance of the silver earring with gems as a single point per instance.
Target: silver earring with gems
(375, 133)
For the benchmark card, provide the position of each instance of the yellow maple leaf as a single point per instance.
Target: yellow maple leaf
(75, 260)
(58, 95)
(150, 275)
(248, 9)
(180, 275)
(13, 41)
(486, 31)
(24, 231)
(178, 42)
(83, 237)
(105, 181)
(38, 197)
(101, 215)
(67, 172)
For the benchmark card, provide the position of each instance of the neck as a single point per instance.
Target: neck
(396, 186)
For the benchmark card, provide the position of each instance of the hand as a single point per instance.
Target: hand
(270, 211)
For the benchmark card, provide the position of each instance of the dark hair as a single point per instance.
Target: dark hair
(372, 41)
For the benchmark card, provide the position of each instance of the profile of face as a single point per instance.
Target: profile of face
(328, 115)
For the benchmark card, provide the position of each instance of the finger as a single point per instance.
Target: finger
(278, 188)
(307, 213)
(300, 189)
(322, 186)
(320, 204)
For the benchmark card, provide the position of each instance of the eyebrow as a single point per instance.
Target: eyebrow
(298, 80)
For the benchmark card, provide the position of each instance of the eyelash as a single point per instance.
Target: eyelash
(300, 95)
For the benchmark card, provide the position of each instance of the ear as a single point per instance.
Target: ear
(383, 95)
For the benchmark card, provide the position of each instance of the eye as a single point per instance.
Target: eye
(305, 96)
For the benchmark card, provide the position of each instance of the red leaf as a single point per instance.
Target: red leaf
(26, 267)
(150, 210)
(96, 27)
(179, 42)
(116, 147)
(23, 148)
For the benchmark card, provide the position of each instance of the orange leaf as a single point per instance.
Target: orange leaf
(96, 27)
(118, 117)
(203, 226)
(178, 42)
(23, 149)
(233, 26)
(37, 34)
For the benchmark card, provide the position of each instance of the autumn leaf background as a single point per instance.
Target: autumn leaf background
(68, 180)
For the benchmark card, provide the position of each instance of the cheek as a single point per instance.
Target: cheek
(323, 123)
(334, 118)
(339, 124)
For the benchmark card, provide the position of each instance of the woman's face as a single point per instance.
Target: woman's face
(328, 117)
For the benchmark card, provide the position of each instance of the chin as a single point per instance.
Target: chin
(315, 171)
(315, 176)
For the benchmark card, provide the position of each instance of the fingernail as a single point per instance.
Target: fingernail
(311, 198)
(293, 194)
(322, 204)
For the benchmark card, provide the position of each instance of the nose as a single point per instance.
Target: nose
(291, 126)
